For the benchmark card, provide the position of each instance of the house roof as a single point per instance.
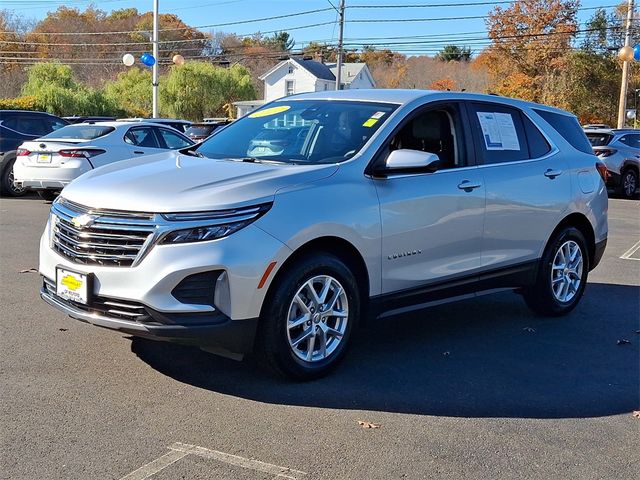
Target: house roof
(317, 69)
(349, 70)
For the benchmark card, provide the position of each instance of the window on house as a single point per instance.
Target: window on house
(289, 87)
(326, 87)
(290, 68)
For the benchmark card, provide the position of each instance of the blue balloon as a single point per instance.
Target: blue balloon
(636, 53)
(147, 59)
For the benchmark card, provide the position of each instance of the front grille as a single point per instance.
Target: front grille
(105, 306)
(109, 238)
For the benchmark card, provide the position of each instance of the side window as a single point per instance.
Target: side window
(499, 133)
(436, 131)
(142, 137)
(171, 140)
(538, 145)
(569, 128)
(28, 124)
(631, 140)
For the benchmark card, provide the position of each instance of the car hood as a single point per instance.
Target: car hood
(172, 182)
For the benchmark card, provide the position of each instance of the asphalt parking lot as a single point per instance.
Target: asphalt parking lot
(478, 389)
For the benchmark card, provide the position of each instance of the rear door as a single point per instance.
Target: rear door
(142, 141)
(527, 184)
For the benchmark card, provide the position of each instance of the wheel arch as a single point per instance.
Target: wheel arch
(582, 223)
(341, 248)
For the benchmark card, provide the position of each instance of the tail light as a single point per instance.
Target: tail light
(81, 153)
(605, 152)
(22, 152)
(602, 170)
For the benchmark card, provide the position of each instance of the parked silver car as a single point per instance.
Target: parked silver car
(619, 150)
(364, 203)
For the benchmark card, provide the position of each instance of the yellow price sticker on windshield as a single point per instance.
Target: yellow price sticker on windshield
(269, 111)
(370, 123)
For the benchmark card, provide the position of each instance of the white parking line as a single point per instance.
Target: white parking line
(180, 450)
(627, 255)
(154, 467)
(281, 472)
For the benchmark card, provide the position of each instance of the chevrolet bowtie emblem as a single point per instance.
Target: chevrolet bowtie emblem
(84, 220)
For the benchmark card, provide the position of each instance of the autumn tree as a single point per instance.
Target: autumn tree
(530, 41)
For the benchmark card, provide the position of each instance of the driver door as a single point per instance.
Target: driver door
(432, 223)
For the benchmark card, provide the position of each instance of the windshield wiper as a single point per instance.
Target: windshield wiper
(264, 160)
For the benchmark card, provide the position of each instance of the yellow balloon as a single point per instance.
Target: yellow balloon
(625, 54)
(179, 59)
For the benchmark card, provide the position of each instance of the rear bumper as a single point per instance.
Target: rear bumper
(213, 330)
(49, 177)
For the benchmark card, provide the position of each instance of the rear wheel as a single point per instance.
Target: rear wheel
(629, 183)
(6, 182)
(47, 195)
(307, 321)
(562, 274)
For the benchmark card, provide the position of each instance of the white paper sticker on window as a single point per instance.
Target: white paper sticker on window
(498, 131)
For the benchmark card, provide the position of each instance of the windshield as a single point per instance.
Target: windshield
(306, 131)
(599, 139)
(81, 132)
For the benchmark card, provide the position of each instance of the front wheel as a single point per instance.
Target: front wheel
(306, 325)
(562, 274)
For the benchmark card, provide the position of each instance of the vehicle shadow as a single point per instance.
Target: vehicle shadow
(486, 357)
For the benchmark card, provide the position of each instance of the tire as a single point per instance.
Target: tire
(629, 183)
(558, 290)
(47, 195)
(6, 182)
(291, 298)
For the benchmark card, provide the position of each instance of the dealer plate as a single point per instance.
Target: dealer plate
(44, 158)
(72, 286)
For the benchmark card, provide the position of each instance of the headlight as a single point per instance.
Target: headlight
(219, 224)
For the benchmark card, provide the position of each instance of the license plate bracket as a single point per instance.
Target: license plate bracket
(43, 158)
(74, 286)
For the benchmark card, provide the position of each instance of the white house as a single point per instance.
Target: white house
(296, 75)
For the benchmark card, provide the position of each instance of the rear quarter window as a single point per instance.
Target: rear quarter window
(569, 128)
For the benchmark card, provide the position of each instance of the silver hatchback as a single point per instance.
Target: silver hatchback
(300, 220)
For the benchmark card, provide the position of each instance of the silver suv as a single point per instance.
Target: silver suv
(286, 229)
(619, 150)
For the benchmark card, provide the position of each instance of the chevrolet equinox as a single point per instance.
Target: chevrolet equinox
(285, 229)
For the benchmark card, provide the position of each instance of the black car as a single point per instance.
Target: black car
(200, 131)
(16, 127)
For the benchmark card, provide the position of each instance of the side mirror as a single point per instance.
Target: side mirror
(410, 161)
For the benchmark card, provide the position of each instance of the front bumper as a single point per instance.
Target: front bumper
(213, 329)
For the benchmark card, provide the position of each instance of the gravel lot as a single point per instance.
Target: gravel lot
(479, 389)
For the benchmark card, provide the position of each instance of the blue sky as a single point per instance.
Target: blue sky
(468, 31)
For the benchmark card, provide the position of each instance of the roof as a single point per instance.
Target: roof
(317, 69)
(349, 70)
(611, 131)
(401, 97)
(139, 119)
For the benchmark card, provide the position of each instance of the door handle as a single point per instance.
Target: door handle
(550, 173)
(139, 152)
(468, 186)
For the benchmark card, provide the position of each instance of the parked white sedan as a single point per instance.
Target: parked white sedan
(49, 163)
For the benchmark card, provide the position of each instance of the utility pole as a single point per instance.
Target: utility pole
(622, 105)
(340, 51)
(154, 80)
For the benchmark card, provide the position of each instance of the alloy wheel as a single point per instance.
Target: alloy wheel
(317, 318)
(566, 271)
(629, 184)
